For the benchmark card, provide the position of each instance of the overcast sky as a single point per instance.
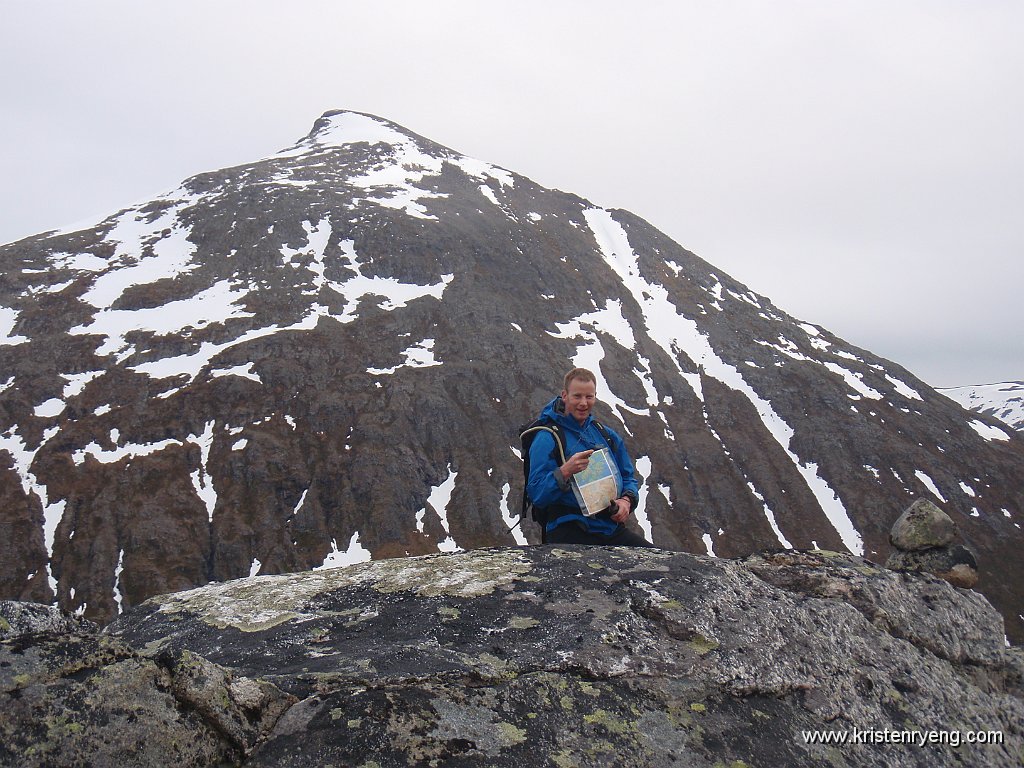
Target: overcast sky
(861, 163)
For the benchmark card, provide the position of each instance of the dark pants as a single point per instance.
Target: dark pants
(571, 533)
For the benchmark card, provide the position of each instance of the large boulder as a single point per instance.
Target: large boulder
(925, 541)
(922, 526)
(558, 656)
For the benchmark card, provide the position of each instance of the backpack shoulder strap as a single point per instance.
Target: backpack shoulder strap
(528, 435)
(604, 432)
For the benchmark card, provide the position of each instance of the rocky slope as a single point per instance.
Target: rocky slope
(535, 656)
(1004, 401)
(313, 357)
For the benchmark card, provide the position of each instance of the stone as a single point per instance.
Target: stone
(70, 695)
(922, 526)
(957, 564)
(17, 618)
(602, 656)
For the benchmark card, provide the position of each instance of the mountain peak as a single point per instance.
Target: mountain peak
(341, 127)
(321, 351)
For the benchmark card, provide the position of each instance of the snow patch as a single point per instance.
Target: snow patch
(8, 319)
(76, 382)
(419, 355)
(665, 491)
(643, 469)
(487, 192)
(709, 544)
(202, 480)
(52, 407)
(512, 522)
(396, 295)
(904, 389)
(244, 371)
(987, 431)
(213, 306)
(22, 457)
(356, 553)
(440, 496)
(149, 254)
(930, 485)
(770, 517)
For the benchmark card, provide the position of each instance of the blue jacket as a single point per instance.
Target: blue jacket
(545, 486)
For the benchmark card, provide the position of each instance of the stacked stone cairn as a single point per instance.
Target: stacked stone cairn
(925, 539)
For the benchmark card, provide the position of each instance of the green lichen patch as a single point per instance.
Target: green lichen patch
(260, 603)
(830, 554)
(565, 554)
(448, 613)
(610, 722)
(702, 645)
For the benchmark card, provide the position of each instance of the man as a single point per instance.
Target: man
(549, 484)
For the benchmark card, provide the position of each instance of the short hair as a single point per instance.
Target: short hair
(578, 373)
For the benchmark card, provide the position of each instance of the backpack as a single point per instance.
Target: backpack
(527, 434)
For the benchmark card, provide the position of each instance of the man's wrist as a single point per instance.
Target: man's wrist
(562, 480)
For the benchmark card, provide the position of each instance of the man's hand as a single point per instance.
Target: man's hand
(623, 513)
(576, 463)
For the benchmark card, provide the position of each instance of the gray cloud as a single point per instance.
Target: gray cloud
(860, 164)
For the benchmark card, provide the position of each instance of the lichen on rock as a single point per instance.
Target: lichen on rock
(262, 602)
(569, 657)
(605, 656)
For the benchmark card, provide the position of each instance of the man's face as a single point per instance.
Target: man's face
(579, 399)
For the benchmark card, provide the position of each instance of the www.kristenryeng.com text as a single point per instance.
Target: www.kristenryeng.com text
(918, 738)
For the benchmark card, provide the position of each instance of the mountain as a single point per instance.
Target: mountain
(525, 656)
(323, 356)
(1004, 401)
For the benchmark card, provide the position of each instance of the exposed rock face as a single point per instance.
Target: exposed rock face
(74, 697)
(557, 656)
(18, 619)
(320, 353)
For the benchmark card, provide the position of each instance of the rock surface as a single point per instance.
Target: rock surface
(573, 656)
(74, 697)
(956, 564)
(327, 351)
(921, 526)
